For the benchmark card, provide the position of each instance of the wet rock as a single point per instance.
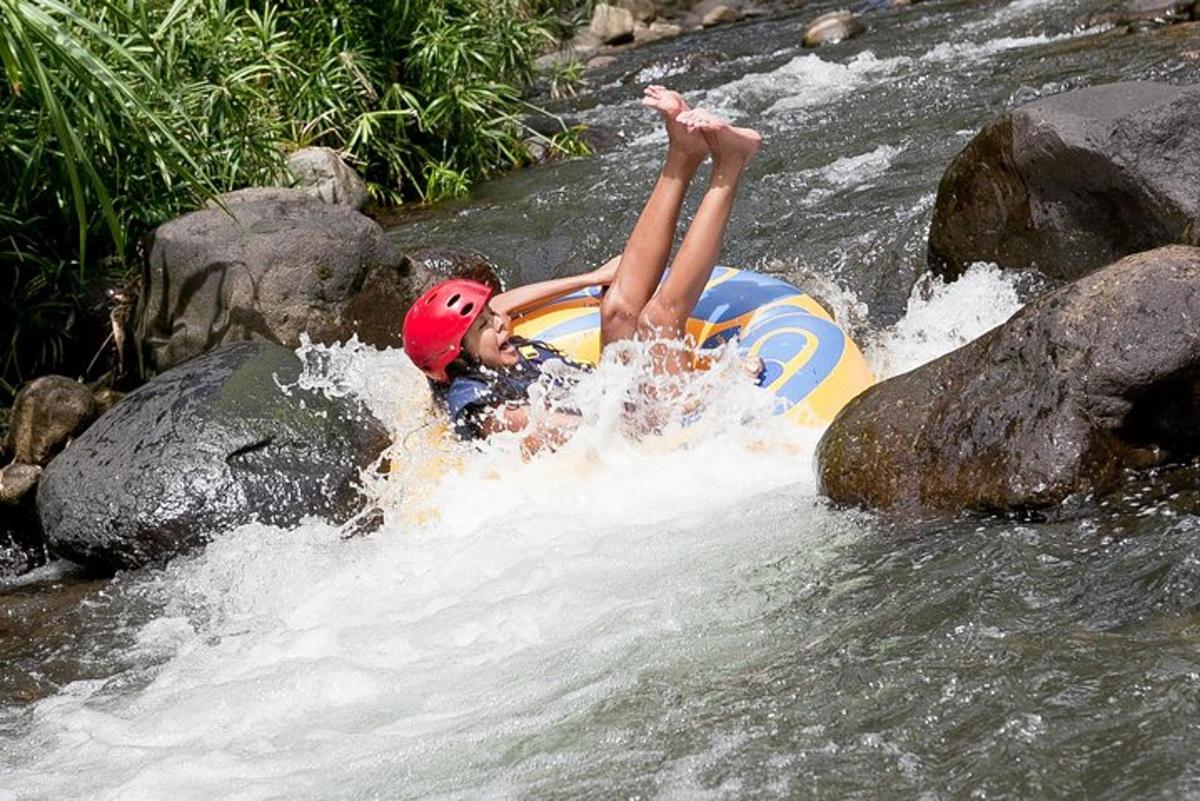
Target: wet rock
(321, 173)
(1129, 12)
(611, 25)
(439, 264)
(832, 28)
(22, 547)
(1071, 182)
(720, 15)
(1142, 26)
(273, 264)
(1091, 379)
(17, 482)
(47, 413)
(222, 440)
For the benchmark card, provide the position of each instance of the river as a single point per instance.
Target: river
(660, 620)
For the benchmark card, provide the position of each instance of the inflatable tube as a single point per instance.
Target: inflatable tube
(811, 366)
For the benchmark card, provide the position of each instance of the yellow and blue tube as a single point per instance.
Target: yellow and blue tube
(811, 366)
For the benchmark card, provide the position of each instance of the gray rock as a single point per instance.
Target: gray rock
(611, 25)
(274, 263)
(222, 440)
(1094, 378)
(831, 28)
(321, 173)
(1071, 182)
(46, 414)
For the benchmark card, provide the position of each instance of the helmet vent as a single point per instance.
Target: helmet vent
(453, 300)
(467, 309)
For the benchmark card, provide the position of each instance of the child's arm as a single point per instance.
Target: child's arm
(522, 298)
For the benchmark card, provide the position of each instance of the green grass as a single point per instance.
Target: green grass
(116, 115)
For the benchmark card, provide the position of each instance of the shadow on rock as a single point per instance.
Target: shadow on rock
(1086, 382)
(1071, 182)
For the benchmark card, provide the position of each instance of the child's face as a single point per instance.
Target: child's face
(487, 340)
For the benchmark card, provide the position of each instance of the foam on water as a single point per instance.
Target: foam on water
(975, 51)
(846, 173)
(804, 82)
(942, 317)
(501, 597)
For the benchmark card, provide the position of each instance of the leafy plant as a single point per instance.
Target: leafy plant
(116, 115)
(566, 76)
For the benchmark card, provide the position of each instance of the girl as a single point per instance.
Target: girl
(461, 336)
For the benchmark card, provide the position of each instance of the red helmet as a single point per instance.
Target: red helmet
(436, 324)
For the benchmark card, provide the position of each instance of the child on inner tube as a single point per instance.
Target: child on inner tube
(460, 335)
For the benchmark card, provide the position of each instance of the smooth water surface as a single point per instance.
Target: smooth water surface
(682, 618)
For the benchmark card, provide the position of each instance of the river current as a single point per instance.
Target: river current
(684, 617)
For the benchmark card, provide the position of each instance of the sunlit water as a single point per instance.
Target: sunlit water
(681, 616)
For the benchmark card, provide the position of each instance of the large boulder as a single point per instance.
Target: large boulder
(269, 265)
(1071, 182)
(227, 438)
(1093, 378)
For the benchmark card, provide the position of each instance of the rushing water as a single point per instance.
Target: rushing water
(668, 619)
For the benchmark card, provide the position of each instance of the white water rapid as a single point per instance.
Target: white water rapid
(451, 653)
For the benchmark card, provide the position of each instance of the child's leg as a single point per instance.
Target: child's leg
(645, 256)
(665, 315)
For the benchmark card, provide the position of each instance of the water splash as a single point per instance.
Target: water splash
(942, 317)
(804, 82)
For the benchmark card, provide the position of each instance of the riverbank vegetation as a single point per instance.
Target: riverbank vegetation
(116, 115)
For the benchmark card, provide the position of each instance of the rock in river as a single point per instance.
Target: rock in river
(47, 413)
(274, 263)
(321, 173)
(1071, 182)
(1098, 376)
(221, 440)
(831, 28)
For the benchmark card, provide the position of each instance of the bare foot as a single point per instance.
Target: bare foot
(671, 104)
(731, 147)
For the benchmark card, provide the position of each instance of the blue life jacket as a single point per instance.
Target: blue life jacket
(469, 398)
